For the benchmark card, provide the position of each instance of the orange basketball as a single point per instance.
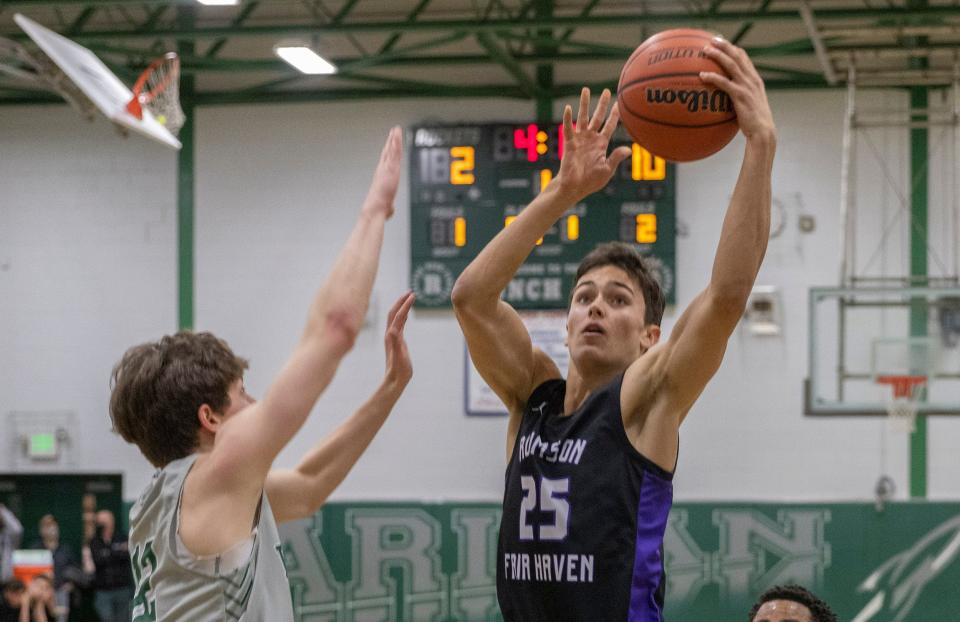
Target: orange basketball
(664, 104)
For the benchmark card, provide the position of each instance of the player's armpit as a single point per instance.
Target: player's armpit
(503, 353)
(285, 489)
(505, 357)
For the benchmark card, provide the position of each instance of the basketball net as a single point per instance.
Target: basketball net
(902, 409)
(158, 90)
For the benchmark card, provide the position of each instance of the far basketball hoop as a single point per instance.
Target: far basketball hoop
(158, 90)
(102, 87)
(907, 391)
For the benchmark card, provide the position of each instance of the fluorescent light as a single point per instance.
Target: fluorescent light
(219, 2)
(304, 59)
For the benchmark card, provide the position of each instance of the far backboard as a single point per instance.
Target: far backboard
(859, 336)
(95, 80)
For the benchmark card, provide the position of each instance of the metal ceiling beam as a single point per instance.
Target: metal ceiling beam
(394, 83)
(840, 53)
(352, 64)
(244, 14)
(543, 104)
(715, 6)
(81, 20)
(152, 18)
(584, 45)
(742, 32)
(584, 13)
(426, 87)
(414, 14)
(401, 57)
(96, 3)
(344, 11)
(861, 32)
(821, 50)
(510, 91)
(347, 63)
(628, 20)
(502, 56)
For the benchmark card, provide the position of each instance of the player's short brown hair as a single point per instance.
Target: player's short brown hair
(629, 260)
(158, 387)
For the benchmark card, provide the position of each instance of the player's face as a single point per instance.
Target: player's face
(605, 325)
(239, 398)
(783, 611)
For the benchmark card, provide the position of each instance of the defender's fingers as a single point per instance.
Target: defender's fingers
(393, 143)
(601, 112)
(567, 120)
(396, 307)
(618, 156)
(584, 108)
(400, 321)
(611, 124)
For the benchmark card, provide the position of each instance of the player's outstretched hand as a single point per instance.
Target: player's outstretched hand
(399, 368)
(586, 167)
(744, 86)
(386, 178)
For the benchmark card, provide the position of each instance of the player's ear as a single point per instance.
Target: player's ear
(209, 419)
(650, 336)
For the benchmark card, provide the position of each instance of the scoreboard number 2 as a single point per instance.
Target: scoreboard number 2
(440, 165)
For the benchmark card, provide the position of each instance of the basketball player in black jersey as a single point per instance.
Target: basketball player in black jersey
(591, 458)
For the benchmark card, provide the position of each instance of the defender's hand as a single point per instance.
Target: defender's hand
(744, 86)
(399, 368)
(386, 178)
(585, 167)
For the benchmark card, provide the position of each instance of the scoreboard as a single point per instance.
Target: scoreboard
(467, 182)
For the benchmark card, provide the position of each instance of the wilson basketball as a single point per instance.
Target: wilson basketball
(664, 104)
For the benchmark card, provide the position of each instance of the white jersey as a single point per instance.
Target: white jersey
(246, 584)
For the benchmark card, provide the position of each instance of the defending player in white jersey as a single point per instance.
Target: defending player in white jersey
(203, 537)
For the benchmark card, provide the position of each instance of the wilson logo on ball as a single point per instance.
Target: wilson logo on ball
(695, 100)
(672, 53)
(665, 105)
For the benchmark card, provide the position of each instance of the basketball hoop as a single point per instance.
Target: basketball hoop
(158, 90)
(902, 409)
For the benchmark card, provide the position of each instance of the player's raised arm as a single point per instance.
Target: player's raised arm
(696, 345)
(247, 443)
(299, 492)
(498, 341)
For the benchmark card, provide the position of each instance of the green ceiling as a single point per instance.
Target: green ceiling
(529, 49)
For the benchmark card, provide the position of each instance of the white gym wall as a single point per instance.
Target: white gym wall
(88, 255)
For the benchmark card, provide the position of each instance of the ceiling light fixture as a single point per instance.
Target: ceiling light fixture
(304, 59)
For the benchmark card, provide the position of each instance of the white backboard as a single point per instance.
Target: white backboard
(97, 82)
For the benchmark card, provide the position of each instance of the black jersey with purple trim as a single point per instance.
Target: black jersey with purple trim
(584, 514)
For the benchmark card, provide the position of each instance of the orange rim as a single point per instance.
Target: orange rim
(139, 96)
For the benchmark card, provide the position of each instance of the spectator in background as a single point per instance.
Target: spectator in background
(65, 567)
(89, 514)
(39, 602)
(10, 533)
(68, 577)
(112, 580)
(11, 601)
